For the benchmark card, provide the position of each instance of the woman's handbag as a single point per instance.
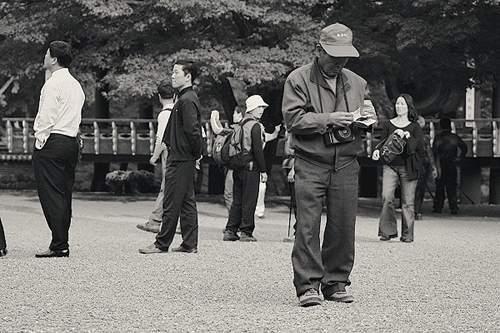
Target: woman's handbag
(392, 147)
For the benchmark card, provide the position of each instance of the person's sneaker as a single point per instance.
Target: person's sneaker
(385, 238)
(418, 216)
(3, 252)
(151, 249)
(149, 226)
(342, 296)
(185, 250)
(230, 236)
(247, 238)
(406, 240)
(310, 298)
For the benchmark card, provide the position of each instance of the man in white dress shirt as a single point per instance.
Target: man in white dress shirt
(56, 148)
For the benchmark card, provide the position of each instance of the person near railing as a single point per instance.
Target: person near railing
(428, 167)
(403, 169)
(320, 100)
(184, 142)
(3, 243)
(260, 209)
(160, 152)
(56, 148)
(246, 181)
(449, 149)
(288, 166)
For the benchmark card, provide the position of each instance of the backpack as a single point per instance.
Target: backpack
(392, 147)
(228, 147)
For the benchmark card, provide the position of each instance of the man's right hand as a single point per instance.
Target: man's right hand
(153, 160)
(340, 119)
(376, 155)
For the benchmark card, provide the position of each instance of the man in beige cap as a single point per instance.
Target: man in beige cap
(320, 101)
(246, 180)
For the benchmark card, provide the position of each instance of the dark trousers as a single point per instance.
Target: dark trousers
(245, 194)
(54, 167)
(179, 201)
(3, 244)
(448, 182)
(331, 265)
(421, 187)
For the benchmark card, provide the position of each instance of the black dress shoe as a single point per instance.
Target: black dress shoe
(3, 252)
(52, 254)
(185, 250)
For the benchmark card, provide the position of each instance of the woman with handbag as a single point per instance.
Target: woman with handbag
(401, 150)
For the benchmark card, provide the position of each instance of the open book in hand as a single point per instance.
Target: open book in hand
(364, 116)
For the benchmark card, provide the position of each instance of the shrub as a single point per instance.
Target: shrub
(131, 182)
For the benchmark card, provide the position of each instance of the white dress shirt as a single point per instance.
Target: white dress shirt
(60, 108)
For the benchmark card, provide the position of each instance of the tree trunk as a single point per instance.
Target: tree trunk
(380, 99)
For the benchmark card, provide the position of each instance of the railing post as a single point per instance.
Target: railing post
(369, 141)
(97, 136)
(495, 138)
(25, 136)
(132, 137)
(209, 139)
(114, 134)
(10, 136)
(474, 139)
(152, 137)
(432, 132)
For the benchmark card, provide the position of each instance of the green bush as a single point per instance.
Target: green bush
(131, 182)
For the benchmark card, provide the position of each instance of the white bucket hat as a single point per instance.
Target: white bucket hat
(254, 102)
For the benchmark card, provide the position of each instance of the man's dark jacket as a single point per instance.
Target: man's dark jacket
(307, 100)
(183, 133)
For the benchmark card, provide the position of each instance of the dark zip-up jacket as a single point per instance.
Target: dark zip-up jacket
(307, 100)
(447, 146)
(183, 133)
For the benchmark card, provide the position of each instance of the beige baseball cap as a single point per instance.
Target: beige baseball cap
(336, 40)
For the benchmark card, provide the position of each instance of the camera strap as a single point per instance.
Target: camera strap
(343, 90)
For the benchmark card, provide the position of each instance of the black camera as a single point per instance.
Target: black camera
(335, 135)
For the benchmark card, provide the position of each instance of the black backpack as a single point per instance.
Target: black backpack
(228, 149)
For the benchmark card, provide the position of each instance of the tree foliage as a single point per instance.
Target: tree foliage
(128, 46)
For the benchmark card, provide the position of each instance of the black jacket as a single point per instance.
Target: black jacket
(447, 147)
(183, 133)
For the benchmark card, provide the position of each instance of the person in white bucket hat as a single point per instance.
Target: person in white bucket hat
(246, 181)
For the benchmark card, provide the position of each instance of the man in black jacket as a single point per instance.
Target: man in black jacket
(449, 150)
(183, 140)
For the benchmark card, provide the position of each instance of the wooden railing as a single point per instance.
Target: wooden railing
(136, 137)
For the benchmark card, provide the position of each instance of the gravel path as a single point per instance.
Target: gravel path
(447, 280)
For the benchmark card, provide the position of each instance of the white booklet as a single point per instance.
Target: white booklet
(366, 119)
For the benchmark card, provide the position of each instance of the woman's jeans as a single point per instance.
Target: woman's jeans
(388, 223)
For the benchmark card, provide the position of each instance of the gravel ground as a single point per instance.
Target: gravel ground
(447, 280)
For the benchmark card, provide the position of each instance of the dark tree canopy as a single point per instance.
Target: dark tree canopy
(129, 46)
